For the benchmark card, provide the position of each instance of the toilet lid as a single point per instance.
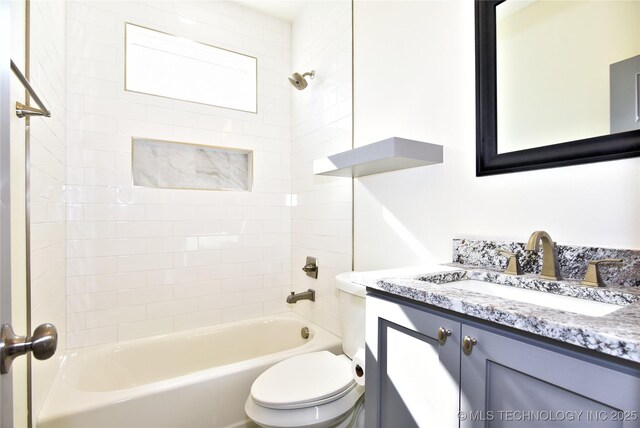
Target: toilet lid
(303, 381)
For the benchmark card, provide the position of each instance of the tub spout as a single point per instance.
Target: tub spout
(310, 294)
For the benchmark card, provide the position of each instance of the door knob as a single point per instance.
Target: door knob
(43, 344)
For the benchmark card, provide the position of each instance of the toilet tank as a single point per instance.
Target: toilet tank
(351, 300)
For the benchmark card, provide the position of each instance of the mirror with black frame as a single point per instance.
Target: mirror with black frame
(557, 83)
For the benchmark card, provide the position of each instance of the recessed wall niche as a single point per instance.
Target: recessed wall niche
(173, 165)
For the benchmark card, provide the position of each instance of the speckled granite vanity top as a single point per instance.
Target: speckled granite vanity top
(616, 333)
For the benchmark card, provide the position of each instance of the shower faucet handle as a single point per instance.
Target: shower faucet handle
(311, 267)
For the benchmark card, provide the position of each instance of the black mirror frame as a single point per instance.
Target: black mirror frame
(488, 161)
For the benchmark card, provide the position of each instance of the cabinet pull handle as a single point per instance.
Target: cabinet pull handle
(467, 344)
(443, 333)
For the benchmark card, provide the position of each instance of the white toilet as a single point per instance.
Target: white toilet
(316, 389)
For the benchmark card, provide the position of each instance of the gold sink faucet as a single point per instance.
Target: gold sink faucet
(549, 262)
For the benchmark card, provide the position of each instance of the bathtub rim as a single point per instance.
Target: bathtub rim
(76, 400)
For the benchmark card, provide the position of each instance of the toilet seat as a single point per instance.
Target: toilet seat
(314, 390)
(304, 381)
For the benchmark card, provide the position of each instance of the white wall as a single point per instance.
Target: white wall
(414, 78)
(321, 127)
(145, 261)
(47, 186)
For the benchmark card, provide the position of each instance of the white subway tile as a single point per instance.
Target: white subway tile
(263, 267)
(242, 312)
(90, 158)
(91, 302)
(170, 212)
(114, 247)
(242, 284)
(94, 87)
(91, 230)
(115, 316)
(74, 249)
(275, 307)
(206, 273)
(219, 242)
(143, 229)
(266, 240)
(81, 11)
(144, 295)
(193, 10)
(281, 278)
(263, 131)
(172, 308)
(149, 261)
(240, 255)
(113, 212)
(262, 295)
(197, 319)
(114, 281)
(91, 337)
(265, 213)
(137, 128)
(197, 289)
(171, 116)
(172, 244)
(101, 35)
(74, 212)
(76, 321)
(90, 266)
(197, 258)
(75, 284)
(146, 328)
(171, 276)
(219, 212)
(146, 262)
(219, 301)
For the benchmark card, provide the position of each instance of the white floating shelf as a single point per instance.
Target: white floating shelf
(387, 155)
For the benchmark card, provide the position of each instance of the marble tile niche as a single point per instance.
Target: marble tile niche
(172, 165)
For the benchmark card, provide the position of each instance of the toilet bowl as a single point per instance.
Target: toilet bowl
(316, 389)
(309, 390)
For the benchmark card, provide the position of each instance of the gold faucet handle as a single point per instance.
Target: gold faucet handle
(513, 265)
(592, 278)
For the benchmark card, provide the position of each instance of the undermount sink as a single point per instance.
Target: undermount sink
(539, 298)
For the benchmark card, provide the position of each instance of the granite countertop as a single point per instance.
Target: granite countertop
(616, 334)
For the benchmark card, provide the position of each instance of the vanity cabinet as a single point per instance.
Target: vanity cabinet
(504, 380)
(412, 374)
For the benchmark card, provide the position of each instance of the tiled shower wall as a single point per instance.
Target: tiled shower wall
(321, 127)
(144, 261)
(47, 138)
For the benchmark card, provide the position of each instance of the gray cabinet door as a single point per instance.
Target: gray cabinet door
(412, 377)
(506, 382)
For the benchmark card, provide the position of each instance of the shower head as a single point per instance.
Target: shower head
(298, 80)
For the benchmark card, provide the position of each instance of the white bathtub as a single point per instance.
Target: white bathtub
(197, 378)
